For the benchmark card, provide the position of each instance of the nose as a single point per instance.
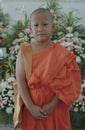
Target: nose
(40, 28)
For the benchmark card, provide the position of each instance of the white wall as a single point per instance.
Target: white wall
(16, 9)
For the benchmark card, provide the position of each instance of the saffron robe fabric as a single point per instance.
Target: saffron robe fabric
(54, 71)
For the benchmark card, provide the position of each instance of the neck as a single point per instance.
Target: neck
(46, 44)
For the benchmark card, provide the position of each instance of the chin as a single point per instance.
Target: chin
(42, 40)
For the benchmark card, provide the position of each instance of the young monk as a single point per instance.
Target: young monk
(55, 79)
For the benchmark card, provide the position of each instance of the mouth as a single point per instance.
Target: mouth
(41, 34)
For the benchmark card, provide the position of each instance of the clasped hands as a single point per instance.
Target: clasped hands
(41, 112)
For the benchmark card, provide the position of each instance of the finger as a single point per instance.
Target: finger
(43, 116)
(43, 112)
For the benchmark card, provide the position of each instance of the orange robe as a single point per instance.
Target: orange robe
(54, 71)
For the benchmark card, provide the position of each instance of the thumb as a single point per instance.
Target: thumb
(42, 111)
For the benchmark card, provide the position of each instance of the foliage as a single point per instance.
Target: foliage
(82, 66)
(5, 118)
(77, 120)
(22, 37)
(4, 23)
(79, 105)
(17, 31)
(70, 20)
(70, 33)
(4, 18)
(17, 35)
(3, 35)
(72, 42)
(54, 8)
(2, 68)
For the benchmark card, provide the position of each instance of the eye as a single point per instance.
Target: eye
(45, 24)
(36, 25)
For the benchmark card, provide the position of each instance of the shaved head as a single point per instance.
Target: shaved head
(42, 11)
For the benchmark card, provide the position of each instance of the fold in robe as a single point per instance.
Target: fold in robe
(54, 71)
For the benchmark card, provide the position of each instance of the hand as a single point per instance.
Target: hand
(37, 112)
(48, 108)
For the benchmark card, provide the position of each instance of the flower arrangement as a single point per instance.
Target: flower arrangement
(7, 95)
(3, 34)
(19, 34)
(79, 105)
(73, 43)
(23, 37)
(6, 86)
(4, 22)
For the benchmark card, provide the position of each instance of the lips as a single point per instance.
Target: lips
(40, 34)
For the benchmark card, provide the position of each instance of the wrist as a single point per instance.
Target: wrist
(30, 106)
(55, 101)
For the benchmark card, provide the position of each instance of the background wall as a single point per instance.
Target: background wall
(17, 8)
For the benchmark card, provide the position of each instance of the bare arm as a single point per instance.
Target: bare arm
(35, 110)
(21, 81)
(48, 108)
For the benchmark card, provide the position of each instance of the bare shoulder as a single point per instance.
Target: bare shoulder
(19, 61)
(19, 56)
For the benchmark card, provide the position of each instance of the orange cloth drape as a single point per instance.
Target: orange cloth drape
(54, 71)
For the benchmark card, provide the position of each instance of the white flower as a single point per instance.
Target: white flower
(78, 59)
(60, 33)
(1, 24)
(69, 29)
(20, 35)
(83, 85)
(11, 79)
(9, 110)
(83, 41)
(6, 95)
(10, 93)
(17, 47)
(64, 44)
(75, 109)
(2, 106)
(4, 35)
(69, 35)
(51, 11)
(54, 41)
(3, 84)
(27, 31)
(26, 38)
(82, 55)
(12, 57)
(76, 34)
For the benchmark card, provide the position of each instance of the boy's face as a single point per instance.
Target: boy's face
(41, 27)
